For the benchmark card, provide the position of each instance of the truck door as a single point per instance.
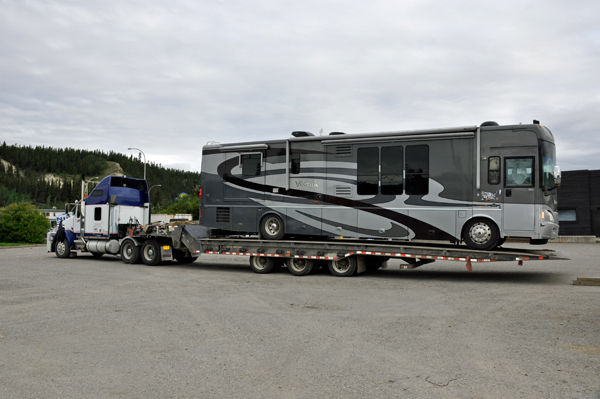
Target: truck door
(96, 221)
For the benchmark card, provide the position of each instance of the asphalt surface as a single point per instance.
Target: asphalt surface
(98, 328)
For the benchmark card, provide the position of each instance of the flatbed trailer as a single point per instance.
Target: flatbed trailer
(342, 257)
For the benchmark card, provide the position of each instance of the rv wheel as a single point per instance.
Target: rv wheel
(300, 267)
(271, 227)
(481, 234)
(262, 264)
(343, 267)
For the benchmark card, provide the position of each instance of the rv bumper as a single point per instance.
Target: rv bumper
(549, 230)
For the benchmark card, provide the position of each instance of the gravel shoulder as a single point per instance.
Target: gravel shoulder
(98, 328)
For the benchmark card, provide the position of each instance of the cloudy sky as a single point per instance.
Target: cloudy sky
(169, 76)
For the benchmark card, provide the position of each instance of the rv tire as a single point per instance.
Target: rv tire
(343, 267)
(271, 227)
(481, 234)
(300, 266)
(262, 264)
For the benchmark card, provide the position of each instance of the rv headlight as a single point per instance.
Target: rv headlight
(547, 215)
(550, 216)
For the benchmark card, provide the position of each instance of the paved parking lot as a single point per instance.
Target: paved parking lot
(98, 328)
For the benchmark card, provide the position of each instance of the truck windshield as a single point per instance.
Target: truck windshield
(548, 155)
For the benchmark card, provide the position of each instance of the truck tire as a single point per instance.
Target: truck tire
(345, 267)
(262, 264)
(151, 253)
(63, 250)
(130, 253)
(481, 234)
(271, 227)
(300, 266)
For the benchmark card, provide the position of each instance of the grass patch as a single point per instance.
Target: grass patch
(12, 244)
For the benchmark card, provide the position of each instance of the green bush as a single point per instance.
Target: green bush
(22, 223)
(188, 204)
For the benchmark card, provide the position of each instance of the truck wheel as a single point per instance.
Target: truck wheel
(62, 248)
(262, 264)
(300, 267)
(481, 234)
(151, 253)
(130, 253)
(271, 227)
(343, 267)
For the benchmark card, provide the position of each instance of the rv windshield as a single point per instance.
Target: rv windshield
(548, 152)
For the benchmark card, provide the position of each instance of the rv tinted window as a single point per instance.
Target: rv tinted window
(295, 163)
(367, 171)
(518, 172)
(251, 165)
(417, 169)
(391, 170)
(494, 170)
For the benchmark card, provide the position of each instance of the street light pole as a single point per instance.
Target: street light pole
(141, 152)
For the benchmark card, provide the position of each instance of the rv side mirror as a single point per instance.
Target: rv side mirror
(557, 175)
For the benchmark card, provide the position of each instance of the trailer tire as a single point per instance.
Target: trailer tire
(345, 267)
(300, 266)
(63, 250)
(130, 253)
(151, 253)
(481, 234)
(271, 227)
(262, 264)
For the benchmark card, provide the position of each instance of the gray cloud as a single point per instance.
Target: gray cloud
(167, 78)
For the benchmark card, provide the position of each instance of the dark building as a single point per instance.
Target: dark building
(579, 203)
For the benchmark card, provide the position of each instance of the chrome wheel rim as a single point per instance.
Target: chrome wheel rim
(480, 233)
(272, 226)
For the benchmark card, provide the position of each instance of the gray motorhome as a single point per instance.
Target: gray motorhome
(477, 184)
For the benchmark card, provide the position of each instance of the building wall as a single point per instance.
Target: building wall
(580, 191)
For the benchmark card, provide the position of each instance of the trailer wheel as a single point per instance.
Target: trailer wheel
(62, 248)
(130, 253)
(481, 234)
(271, 227)
(262, 264)
(151, 253)
(343, 267)
(300, 266)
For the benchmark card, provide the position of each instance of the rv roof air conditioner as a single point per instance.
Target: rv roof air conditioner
(489, 123)
(302, 134)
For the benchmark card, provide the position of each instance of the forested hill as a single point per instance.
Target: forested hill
(50, 176)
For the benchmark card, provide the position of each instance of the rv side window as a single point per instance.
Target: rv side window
(518, 172)
(391, 170)
(367, 171)
(417, 169)
(251, 165)
(494, 170)
(295, 163)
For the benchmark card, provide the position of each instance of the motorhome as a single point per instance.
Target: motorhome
(477, 184)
